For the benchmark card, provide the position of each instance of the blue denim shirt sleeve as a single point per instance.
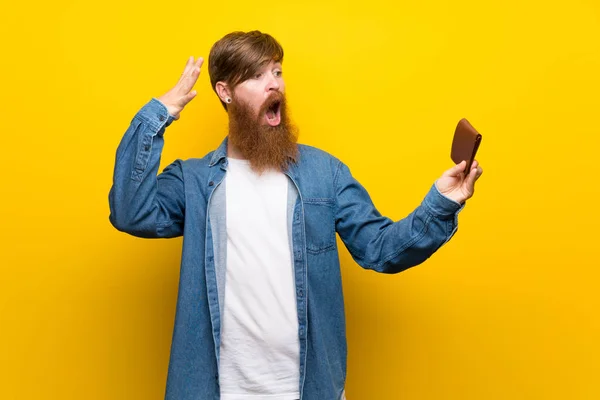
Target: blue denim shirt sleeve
(142, 203)
(376, 242)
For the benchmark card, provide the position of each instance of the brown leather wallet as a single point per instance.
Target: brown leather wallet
(465, 143)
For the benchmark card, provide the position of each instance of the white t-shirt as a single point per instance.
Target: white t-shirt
(259, 355)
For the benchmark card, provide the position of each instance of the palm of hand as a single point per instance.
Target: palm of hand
(456, 185)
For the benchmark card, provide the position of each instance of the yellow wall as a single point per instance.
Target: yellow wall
(508, 309)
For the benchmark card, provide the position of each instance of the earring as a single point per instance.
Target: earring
(228, 100)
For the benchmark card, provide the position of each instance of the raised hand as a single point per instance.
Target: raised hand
(181, 94)
(456, 185)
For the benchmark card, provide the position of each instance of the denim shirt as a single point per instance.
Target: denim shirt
(188, 198)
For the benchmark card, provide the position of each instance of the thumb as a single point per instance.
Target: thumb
(457, 169)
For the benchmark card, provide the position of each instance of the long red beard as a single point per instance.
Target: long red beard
(265, 146)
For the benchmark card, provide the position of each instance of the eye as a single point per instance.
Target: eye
(258, 75)
(278, 73)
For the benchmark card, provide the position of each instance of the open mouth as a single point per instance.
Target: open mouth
(273, 114)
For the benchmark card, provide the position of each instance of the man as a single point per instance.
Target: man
(260, 312)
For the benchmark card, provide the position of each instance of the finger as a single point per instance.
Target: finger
(479, 172)
(188, 70)
(457, 169)
(188, 97)
(188, 65)
(475, 165)
(471, 178)
(195, 71)
(188, 82)
(476, 172)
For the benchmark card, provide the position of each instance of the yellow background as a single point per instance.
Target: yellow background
(508, 309)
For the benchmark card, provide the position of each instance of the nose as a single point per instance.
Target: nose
(273, 83)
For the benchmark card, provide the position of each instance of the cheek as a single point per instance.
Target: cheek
(255, 103)
(250, 97)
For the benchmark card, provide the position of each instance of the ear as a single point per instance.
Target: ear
(223, 91)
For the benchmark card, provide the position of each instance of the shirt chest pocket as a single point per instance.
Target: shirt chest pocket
(320, 225)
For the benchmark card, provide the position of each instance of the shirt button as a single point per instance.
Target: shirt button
(146, 147)
(211, 183)
(300, 293)
(161, 117)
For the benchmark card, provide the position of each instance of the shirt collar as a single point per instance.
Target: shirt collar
(221, 152)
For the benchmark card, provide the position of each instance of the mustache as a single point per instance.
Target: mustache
(274, 98)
